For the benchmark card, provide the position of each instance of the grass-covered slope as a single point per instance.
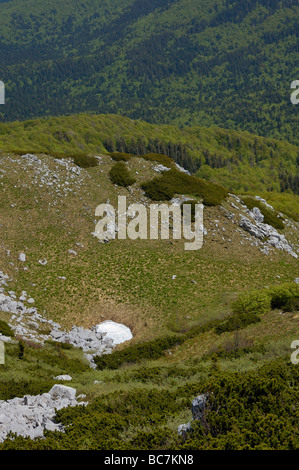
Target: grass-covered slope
(218, 320)
(225, 63)
(239, 161)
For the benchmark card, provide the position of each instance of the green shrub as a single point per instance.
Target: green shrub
(270, 216)
(165, 186)
(237, 322)
(85, 161)
(248, 410)
(120, 175)
(147, 350)
(285, 296)
(119, 156)
(5, 329)
(12, 388)
(253, 302)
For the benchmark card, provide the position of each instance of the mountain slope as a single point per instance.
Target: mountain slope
(239, 161)
(225, 63)
(185, 300)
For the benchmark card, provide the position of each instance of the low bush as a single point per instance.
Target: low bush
(18, 388)
(165, 186)
(119, 156)
(5, 329)
(82, 160)
(285, 296)
(120, 175)
(137, 352)
(270, 216)
(85, 161)
(253, 302)
(236, 322)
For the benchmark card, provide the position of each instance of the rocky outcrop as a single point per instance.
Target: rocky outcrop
(31, 415)
(265, 232)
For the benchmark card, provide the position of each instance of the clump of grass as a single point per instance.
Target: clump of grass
(270, 216)
(120, 175)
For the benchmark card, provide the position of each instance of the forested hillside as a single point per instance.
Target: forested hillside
(188, 62)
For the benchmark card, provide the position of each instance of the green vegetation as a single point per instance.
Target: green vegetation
(185, 62)
(241, 162)
(120, 175)
(255, 301)
(85, 161)
(30, 367)
(120, 157)
(250, 411)
(285, 296)
(236, 322)
(137, 352)
(214, 327)
(175, 182)
(5, 329)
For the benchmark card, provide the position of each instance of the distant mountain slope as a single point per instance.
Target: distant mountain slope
(223, 62)
(240, 161)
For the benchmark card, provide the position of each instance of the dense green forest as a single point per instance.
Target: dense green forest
(188, 62)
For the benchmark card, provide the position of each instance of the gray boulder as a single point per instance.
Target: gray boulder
(62, 391)
(199, 405)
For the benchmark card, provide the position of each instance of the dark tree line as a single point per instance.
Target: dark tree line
(177, 151)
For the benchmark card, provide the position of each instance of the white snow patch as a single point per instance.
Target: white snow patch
(116, 331)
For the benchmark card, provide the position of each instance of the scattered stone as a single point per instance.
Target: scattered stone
(43, 262)
(63, 377)
(22, 257)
